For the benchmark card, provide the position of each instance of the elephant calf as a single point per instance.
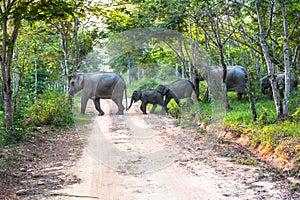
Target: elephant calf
(148, 96)
(280, 78)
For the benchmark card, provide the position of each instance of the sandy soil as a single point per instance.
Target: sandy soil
(146, 157)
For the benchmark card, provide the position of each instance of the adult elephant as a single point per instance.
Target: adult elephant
(280, 79)
(148, 96)
(99, 85)
(177, 90)
(236, 79)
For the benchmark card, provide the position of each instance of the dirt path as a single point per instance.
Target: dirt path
(136, 156)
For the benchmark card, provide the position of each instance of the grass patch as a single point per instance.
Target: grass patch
(294, 187)
(274, 136)
(79, 119)
(237, 158)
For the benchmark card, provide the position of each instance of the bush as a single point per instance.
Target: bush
(14, 136)
(52, 108)
(296, 114)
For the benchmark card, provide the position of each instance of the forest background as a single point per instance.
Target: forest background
(44, 42)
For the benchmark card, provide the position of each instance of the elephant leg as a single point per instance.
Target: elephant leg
(84, 101)
(164, 106)
(197, 88)
(143, 107)
(240, 95)
(118, 101)
(177, 100)
(97, 106)
(153, 108)
(167, 100)
(207, 95)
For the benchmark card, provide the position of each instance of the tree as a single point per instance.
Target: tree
(12, 14)
(286, 60)
(11, 18)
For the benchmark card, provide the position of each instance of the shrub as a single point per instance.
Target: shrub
(14, 136)
(296, 114)
(52, 108)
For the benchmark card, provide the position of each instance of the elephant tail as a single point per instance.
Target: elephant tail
(126, 102)
(125, 90)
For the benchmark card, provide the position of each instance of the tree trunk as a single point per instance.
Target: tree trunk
(224, 82)
(286, 61)
(65, 47)
(138, 73)
(250, 97)
(264, 45)
(75, 38)
(128, 69)
(6, 68)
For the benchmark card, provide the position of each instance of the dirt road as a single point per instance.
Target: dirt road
(137, 157)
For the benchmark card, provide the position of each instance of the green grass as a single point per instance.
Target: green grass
(80, 120)
(282, 137)
(266, 130)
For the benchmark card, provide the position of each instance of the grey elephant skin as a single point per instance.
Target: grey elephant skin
(177, 90)
(99, 85)
(280, 78)
(151, 96)
(236, 78)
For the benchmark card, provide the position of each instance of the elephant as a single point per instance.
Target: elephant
(177, 90)
(236, 79)
(280, 78)
(99, 85)
(151, 96)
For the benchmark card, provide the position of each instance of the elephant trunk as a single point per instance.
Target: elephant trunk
(132, 99)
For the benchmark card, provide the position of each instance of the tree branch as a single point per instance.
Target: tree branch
(294, 28)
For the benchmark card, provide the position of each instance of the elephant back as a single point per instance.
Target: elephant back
(182, 88)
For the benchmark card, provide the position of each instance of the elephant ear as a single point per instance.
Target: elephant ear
(162, 89)
(136, 95)
(80, 79)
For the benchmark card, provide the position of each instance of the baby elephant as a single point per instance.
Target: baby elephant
(147, 96)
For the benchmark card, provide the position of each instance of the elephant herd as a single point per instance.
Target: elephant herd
(176, 90)
(108, 85)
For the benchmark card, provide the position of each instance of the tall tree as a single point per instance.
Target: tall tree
(12, 13)
(263, 35)
(286, 59)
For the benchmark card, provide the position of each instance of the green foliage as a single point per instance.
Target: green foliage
(243, 161)
(17, 134)
(174, 109)
(296, 114)
(79, 120)
(144, 83)
(267, 131)
(14, 136)
(51, 108)
(294, 187)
